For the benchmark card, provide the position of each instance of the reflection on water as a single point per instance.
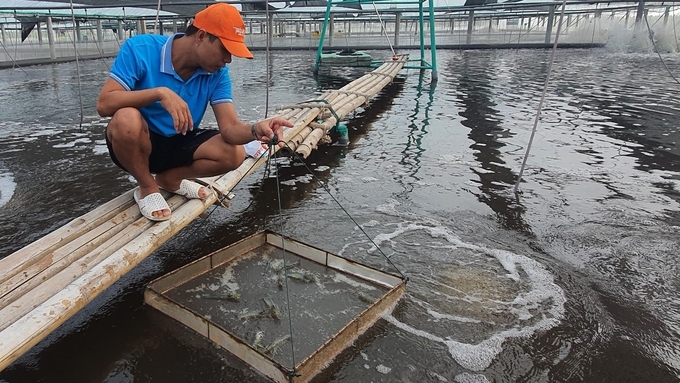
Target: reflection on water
(418, 124)
(574, 280)
(474, 83)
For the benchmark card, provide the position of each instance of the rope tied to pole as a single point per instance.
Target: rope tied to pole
(382, 25)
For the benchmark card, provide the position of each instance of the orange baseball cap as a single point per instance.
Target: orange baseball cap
(224, 21)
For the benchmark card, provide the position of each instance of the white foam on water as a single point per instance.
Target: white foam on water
(369, 179)
(340, 278)
(322, 168)
(542, 292)
(65, 145)
(46, 132)
(227, 279)
(371, 223)
(456, 318)
(100, 149)
(466, 377)
(7, 187)
(383, 369)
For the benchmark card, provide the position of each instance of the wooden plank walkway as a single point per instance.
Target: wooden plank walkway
(48, 281)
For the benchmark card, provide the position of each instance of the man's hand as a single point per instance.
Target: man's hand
(266, 129)
(178, 109)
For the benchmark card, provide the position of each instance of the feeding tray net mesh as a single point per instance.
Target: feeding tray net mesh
(237, 298)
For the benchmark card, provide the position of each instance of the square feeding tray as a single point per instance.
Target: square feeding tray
(247, 297)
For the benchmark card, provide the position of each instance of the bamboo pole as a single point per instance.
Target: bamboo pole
(305, 148)
(60, 278)
(24, 333)
(19, 260)
(52, 263)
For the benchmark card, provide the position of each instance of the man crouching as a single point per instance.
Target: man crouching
(157, 94)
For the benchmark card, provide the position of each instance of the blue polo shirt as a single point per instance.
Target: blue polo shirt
(144, 62)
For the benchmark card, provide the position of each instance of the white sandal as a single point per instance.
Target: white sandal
(151, 203)
(189, 189)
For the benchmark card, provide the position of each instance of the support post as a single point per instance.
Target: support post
(270, 29)
(79, 36)
(665, 16)
(548, 29)
(640, 13)
(121, 30)
(4, 34)
(331, 30)
(38, 26)
(50, 38)
(397, 22)
(100, 35)
(322, 35)
(433, 43)
(529, 27)
(471, 23)
(421, 31)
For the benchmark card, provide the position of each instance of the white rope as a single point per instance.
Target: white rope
(384, 29)
(545, 90)
(675, 33)
(158, 12)
(651, 38)
(270, 25)
(75, 49)
(14, 61)
(270, 33)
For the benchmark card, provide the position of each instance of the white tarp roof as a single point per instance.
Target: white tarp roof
(47, 8)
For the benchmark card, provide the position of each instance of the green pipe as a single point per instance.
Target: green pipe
(322, 37)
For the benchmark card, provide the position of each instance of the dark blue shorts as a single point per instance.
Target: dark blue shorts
(171, 152)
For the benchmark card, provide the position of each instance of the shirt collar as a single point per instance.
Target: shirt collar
(166, 58)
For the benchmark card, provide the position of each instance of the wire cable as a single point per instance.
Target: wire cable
(285, 268)
(325, 188)
(651, 37)
(14, 61)
(75, 48)
(385, 29)
(540, 103)
(266, 60)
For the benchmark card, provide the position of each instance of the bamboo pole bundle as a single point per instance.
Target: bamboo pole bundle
(47, 282)
(311, 142)
(36, 291)
(16, 286)
(18, 261)
(25, 332)
(363, 91)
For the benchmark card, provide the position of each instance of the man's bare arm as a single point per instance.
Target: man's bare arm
(114, 97)
(235, 131)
